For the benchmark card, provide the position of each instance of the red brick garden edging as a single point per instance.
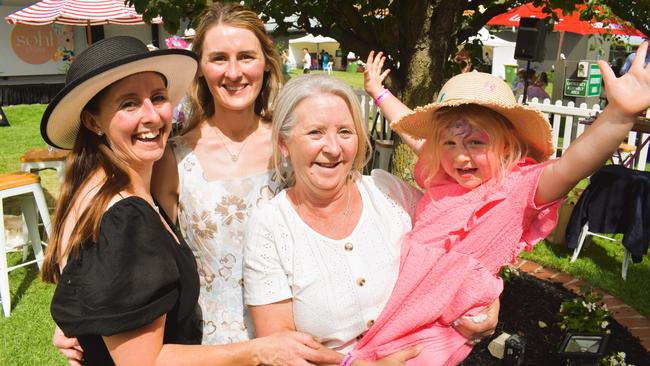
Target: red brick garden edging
(636, 323)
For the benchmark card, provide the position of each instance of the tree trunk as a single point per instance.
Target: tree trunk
(424, 69)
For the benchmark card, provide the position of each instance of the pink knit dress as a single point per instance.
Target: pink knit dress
(451, 259)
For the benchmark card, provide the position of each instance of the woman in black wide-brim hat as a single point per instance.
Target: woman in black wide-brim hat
(127, 284)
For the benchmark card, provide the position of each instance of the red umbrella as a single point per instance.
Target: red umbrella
(567, 23)
(78, 12)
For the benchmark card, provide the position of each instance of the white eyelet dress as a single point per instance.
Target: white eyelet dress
(212, 217)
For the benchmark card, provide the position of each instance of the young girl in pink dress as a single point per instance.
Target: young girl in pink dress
(490, 192)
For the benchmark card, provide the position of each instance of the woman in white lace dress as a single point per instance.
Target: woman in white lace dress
(217, 171)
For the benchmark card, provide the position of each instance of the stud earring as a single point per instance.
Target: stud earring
(100, 133)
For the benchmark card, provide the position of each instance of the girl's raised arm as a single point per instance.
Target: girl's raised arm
(627, 96)
(389, 105)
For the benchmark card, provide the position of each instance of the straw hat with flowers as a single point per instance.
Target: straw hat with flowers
(491, 92)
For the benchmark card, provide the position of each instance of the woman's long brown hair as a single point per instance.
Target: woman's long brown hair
(89, 155)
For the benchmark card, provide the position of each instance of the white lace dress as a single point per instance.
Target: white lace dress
(212, 217)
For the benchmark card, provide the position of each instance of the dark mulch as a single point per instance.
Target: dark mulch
(525, 301)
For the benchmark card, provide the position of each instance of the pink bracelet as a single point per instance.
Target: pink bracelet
(347, 360)
(381, 96)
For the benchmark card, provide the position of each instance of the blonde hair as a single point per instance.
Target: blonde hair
(235, 15)
(505, 148)
(284, 119)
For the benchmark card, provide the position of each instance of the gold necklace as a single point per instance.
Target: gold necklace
(234, 157)
(344, 214)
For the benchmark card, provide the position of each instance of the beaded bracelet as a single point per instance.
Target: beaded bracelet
(381, 96)
(347, 360)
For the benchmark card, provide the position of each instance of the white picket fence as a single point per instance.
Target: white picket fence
(564, 119)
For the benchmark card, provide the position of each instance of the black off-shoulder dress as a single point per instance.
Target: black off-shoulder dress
(135, 273)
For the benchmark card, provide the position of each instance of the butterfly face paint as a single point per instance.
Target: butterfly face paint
(460, 128)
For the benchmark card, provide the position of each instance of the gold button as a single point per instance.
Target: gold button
(349, 246)
(370, 323)
(361, 281)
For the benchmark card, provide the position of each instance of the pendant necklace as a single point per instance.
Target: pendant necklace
(234, 157)
(344, 214)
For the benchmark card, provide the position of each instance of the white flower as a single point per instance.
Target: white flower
(604, 324)
(591, 306)
(189, 32)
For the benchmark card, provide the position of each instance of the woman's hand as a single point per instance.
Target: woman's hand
(398, 358)
(479, 326)
(292, 349)
(69, 347)
(629, 94)
(373, 77)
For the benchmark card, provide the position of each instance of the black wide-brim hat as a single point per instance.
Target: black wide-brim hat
(102, 64)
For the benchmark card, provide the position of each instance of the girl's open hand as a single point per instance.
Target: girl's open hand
(629, 94)
(373, 77)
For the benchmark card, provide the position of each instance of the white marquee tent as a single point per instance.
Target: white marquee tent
(314, 44)
(501, 52)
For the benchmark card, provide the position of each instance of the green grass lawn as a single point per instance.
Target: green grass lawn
(354, 79)
(600, 264)
(23, 134)
(25, 337)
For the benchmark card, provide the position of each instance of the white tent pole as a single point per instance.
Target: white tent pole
(559, 46)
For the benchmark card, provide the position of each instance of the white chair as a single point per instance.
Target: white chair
(583, 236)
(612, 203)
(26, 188)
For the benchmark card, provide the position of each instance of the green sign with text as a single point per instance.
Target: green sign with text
(595, 80)
(589, 87)
(575, 87)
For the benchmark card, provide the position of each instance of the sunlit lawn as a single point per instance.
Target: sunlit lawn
(25, 335)
(354, 79)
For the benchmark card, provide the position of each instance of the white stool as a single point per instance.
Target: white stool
(27, 188)
(38, 159)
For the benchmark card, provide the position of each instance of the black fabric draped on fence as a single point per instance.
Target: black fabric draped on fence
(28, 94)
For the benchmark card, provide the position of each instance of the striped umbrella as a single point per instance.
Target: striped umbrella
(78, 12)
